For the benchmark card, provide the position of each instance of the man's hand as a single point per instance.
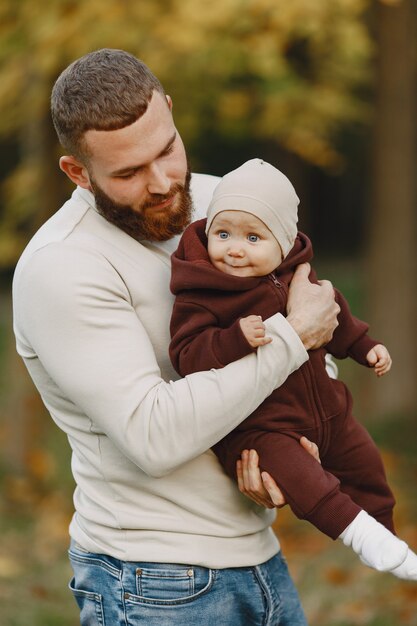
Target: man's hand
(311, 308)
(261, 487)
(379, 358)
(254, 330)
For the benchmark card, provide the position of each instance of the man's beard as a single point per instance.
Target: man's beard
(145, 223)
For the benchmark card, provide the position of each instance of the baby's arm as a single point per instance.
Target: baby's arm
(379, 358)
(253, 329)
(350, 339)
(198, 343)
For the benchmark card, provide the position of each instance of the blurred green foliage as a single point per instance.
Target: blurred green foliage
(293, 77)
(292, 73)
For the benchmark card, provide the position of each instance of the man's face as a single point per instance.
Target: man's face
(139, 175)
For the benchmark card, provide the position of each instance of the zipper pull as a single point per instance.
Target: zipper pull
(275, 280)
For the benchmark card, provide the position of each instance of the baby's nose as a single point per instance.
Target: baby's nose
(235, 251)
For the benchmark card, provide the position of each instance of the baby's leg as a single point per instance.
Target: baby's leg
(355, 460)
(312, 493)
(377, 547)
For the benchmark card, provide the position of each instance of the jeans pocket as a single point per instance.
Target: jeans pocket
(93, 573)
(90, 604)
(171, 584)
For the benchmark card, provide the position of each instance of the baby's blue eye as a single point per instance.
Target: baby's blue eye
(253, 238)
(223, 234)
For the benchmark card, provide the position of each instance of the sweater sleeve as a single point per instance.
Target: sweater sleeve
(350, 338)
(198, 343)
(74, 315)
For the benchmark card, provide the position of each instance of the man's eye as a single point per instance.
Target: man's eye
(169, 150)
(127, 176)
(223, 234)
(253, 238)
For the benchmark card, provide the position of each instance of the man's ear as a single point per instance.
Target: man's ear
(75, 171)
(169, 100)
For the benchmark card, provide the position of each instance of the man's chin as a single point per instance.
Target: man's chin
(161, 226)
(150, 224)
(158, 219)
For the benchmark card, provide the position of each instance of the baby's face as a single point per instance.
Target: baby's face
(241, 245)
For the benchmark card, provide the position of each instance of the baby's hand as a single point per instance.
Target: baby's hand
(254, 330)
(379, 358)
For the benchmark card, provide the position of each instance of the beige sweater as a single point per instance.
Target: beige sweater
(91, 313)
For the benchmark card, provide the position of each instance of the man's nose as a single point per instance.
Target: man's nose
(158, 182)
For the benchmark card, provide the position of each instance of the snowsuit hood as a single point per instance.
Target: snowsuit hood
(192, 268)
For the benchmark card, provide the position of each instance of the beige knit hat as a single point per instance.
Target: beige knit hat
(258, 188)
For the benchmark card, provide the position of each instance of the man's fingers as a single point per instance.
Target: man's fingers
(261, 487)
(239, 474)
(302, 272)
(311, 308)
(245, 470)
(326, 284)
(311, 448)
(249, 479)
(273, 490)
(255, 483)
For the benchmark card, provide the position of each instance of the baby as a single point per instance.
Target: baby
(231, 271)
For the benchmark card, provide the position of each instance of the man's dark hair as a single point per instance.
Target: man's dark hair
(103, 90)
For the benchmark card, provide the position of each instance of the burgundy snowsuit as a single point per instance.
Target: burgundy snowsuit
(206, 334)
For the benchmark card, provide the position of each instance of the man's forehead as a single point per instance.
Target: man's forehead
(140, 141)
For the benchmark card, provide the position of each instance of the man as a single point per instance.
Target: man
(160, 534)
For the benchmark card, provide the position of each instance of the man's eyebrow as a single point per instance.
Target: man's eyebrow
(132, 168)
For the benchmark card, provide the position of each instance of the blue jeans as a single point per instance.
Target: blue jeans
(110, 592)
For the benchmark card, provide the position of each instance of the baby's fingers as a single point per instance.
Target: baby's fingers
(383, 366)
(261, 341)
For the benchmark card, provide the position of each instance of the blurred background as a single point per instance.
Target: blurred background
(326, 91)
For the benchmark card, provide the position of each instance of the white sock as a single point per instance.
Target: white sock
(408, 568)
(377, 547)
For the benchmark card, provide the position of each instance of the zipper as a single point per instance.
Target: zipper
(274, 280)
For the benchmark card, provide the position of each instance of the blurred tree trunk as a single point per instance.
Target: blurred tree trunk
(38, 149)
(21, 410)
(24, 412)
(392, 250)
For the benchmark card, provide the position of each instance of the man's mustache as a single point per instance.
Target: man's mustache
(159, 198)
